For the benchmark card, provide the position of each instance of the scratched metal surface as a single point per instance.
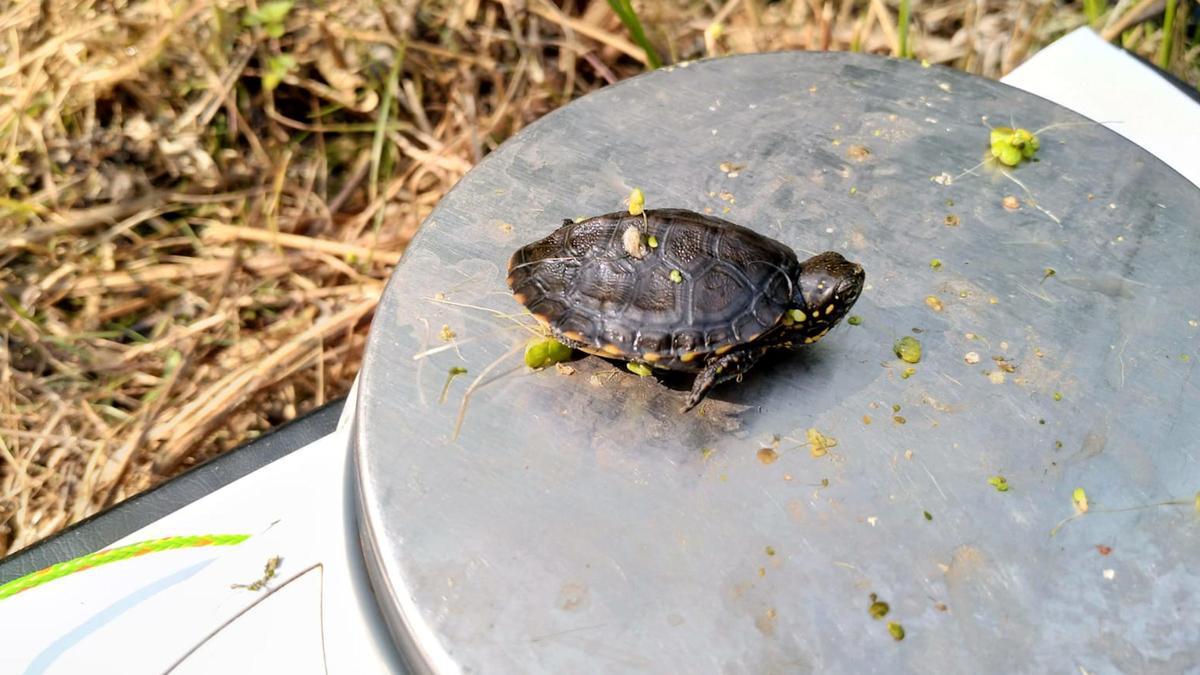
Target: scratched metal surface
(580, 524)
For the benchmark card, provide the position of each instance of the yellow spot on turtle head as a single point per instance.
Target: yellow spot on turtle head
(613, 349)
(689, 356)
(651, 357)
(829, 310)
(797, 315)
(724, 350)
(574, 335)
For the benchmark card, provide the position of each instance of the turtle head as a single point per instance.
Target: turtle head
(829, 286)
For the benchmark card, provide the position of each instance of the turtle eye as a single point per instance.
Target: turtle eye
(848, 289)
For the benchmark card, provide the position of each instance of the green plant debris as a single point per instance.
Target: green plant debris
(447, 333)
(454, 372)
(676, 276)
(1011, 146)
(999, 482)
(854, 320)
(277, 68)
(638, 368)
(269, 571)
(652, 241)
(928, 515)
(1058, 396)
(1080, 500)
(628, 15)
(542, 352)
(770, 550)
(908, 372)
(819, 444)
(878, 608)
(1163, 58)
(896, 630)
(935, 264)
(271, 16)
(1194, 503)
(637, 202)
(1047, 273)
(952, 220)
(908, 348)
(904, 50)
(23, 209)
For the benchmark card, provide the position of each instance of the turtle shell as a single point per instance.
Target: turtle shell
(683, 286)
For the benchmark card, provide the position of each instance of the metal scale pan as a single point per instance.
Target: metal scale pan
(579, 523)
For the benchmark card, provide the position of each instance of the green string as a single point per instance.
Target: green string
(62, 569)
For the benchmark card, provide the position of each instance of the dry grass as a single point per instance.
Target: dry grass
(202, 198)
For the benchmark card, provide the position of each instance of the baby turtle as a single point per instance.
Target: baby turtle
(699, 294)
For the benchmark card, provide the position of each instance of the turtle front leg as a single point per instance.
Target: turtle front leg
(723, 368)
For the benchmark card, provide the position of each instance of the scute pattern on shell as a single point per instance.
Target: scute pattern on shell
(734, 284)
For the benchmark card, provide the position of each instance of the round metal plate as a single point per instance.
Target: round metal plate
(579, 523)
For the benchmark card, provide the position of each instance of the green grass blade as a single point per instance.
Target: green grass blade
(902, 29)
(1093, 9)
(1168, 30)
(390, 89)
(624, 10)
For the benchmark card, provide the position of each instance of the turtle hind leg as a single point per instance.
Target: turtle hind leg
(723, 368)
